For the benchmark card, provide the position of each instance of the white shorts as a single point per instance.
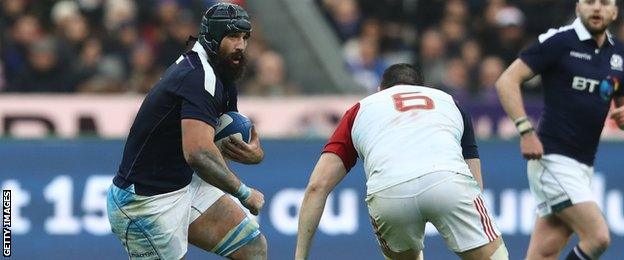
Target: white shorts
(557, 182)
(452, 202)
(156, 227)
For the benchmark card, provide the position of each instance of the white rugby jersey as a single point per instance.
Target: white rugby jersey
(404, 132)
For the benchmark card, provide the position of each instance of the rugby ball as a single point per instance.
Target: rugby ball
(233, 124)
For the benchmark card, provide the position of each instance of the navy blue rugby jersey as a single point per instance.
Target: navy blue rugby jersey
(153, 159)
(579, 80)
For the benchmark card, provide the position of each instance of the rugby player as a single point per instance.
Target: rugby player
(422, 165)
(169, 190)
(581, 67)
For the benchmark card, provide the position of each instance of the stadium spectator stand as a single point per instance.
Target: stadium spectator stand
(121, 46)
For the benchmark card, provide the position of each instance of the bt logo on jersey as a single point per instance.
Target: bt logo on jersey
(581, 84)
(607, 87)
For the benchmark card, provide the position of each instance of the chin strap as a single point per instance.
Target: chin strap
(191, 39)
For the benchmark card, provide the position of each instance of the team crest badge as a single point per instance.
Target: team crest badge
(617, 62)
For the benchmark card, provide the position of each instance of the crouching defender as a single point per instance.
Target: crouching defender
(422, 165)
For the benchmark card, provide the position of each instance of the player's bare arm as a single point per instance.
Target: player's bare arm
(618, 113)
(328, 172)
(475, 168)
(508, 88)
(204, 157)
(242, 152)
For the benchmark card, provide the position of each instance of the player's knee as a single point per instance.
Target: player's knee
(600, 242)
(260, 245)
(256, 249)
(597, 241)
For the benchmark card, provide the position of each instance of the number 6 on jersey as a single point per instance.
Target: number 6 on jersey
(412, 100)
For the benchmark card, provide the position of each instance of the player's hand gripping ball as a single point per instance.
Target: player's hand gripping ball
(233, 124)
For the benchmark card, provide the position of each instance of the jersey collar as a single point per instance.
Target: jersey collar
(610, 37)
(209, 75)
(584, 35)
(197, 47)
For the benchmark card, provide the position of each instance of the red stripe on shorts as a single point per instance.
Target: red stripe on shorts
(487, 217)
(382, 242)
(484, 219)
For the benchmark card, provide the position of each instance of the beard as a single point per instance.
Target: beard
(229, 71)
(595, 29)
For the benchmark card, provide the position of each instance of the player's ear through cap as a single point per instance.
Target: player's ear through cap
(220, 20)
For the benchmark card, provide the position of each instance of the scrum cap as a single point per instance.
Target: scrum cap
(220, 20)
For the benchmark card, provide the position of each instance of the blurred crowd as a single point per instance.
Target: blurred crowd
(112, 46)
(122, 46)
(462, 45)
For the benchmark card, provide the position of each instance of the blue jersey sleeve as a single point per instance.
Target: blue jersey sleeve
(543, 53)
(469, 146)
(197, 102)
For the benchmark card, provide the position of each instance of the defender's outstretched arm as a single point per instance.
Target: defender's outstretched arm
(328, 172)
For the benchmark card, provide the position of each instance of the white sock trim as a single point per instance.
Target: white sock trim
(500, 253)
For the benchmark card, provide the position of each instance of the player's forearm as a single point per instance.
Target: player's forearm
(475, 168)
(508, 89)
(309, 218)
(212, 169)
(327, 173)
